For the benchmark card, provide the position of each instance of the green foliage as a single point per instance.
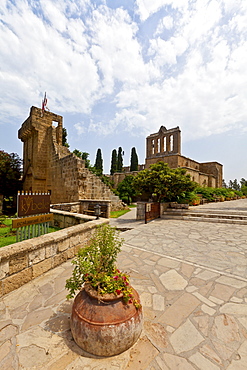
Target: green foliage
(8, 234)
(126, 190)
(224, 184)
(64, 138)
(107, 181)
(119, 160)
(163, 183)
(116, 214)
(10, 174)
(84, 156)
(133, 160)
(96, 264)
(243, 182)
(235, 185)
(211, 193)
(99, 163)
(244, 189)
(113, 162)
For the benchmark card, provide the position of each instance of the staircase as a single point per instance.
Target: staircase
(218, 216)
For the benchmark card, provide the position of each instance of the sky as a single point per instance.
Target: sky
(117, 70)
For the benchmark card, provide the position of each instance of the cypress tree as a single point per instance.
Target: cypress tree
(119, 160)
(113, 161)
(99, 162)
(64, 138)
(133, 160)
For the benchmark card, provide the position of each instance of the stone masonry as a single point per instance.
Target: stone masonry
(165, 145)
(49, 166)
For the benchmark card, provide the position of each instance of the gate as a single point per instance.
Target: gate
(152, 211)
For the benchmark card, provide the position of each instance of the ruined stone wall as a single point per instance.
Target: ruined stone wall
(36, 136)
(171, 160)
(214, 168)
(49, 166)
(165, 146)
(164, 142)
(188, 163)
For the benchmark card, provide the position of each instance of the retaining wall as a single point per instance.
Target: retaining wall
(21, 262)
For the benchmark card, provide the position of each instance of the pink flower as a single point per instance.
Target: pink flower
(126, 284)
(115, 277)
(124, 278)
(130, 300)
(118, 291)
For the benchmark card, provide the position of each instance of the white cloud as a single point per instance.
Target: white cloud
(46, 59)
(80, 128)
(115, 48)
(166, 52)
(184, 66)
(146, 8)
(165, 23)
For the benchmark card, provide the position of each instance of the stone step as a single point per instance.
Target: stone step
(207, 217)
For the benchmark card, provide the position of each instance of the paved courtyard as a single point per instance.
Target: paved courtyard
(219, 246)
(191, 277)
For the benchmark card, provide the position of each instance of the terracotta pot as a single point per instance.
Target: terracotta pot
(105, 327)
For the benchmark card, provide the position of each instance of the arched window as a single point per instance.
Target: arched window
(165, 149)
(152, 146)
(171, 143)
(158, 145)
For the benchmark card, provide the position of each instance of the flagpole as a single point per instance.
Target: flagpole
(44, 102)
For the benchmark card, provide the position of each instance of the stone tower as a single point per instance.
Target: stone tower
(40, 132)
(49, 166)
(163, 143)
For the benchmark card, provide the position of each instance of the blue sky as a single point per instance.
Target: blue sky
(117, 70)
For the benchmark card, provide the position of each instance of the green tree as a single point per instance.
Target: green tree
(163, 183)
(120, 160)
(243, 182)
(224, 184)
(84, 156)
(64, 138)
(113, 162)
(99, 162)
(10, 174)
(126, 190)
(133, 160)
(235, 185)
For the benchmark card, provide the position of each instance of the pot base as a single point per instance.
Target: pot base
(105, 328)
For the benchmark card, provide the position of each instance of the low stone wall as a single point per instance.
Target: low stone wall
(83, 205)
(64, 219)
(74, 207)
(21, 262)
(86, 203)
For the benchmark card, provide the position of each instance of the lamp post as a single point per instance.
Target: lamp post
(97, 212)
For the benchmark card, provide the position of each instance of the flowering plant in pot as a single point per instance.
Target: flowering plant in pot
(106, 302)
(95, 268)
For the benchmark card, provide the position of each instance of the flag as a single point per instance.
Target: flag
(44, 102)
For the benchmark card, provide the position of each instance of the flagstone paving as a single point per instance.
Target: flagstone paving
(195, 313)
(220, 246)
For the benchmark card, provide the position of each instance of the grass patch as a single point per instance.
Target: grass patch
(8, 235)
(116, 214)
